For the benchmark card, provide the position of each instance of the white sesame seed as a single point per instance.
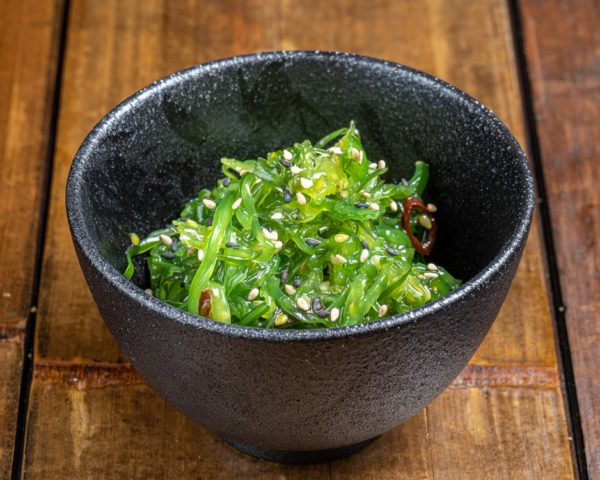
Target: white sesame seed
(336, 150)
(148, 291)
(374, 206)
(270, 235)
(381, 164)
(421, 277)
(393, 206)
(306, 183)
(252, 294)
(200, 254)
(281, 320)
(277, 216)
(430, 275)
(364, 255)
(357, 155)
(425, 221)
(303, 303)
(287, 155)
(289, 289)
(296, 169)
(209, 204)
(431, 208)
(338, 259)
(432, 267)
(334, 314)
(365, 194)
(301, 198)
(166, 240)
(372, 166)
(382, 310)
(237, 204)
(278, 244)
(341, 237)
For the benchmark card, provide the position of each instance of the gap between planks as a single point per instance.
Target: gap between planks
(86, 376)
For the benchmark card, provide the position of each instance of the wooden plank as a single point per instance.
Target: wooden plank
(98, 422)
(563, 53)
(82, 390)
(28, 55)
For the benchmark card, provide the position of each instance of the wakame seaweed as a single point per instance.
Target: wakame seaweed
(310, 236)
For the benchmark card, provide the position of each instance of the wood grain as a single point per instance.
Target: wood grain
(92, 428)
(83, 392)
(28, 56)
(562, 41)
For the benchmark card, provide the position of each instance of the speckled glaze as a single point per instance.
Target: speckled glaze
(299, 395)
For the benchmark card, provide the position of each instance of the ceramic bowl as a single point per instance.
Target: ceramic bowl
(285, 395)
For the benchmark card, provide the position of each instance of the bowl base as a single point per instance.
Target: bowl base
(299, 457)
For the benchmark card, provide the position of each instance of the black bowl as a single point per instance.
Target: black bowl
(300, 395)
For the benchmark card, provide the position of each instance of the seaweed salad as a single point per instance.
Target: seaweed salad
(310, 236)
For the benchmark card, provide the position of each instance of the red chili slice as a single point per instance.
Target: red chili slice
(205, 303)
(426, 246)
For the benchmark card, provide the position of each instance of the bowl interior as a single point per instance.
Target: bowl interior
(160, 147)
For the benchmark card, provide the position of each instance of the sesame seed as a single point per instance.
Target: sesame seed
(237, 204)
(301, 198)
(278, 244)
(168, 255)
(393, 206)
(283, 277)
(303, 303)
(306, 183)
(430, 275)
(421, 277)
(334, 314)
(372, 166)
(321, 313)
(135, 239)
(277, 216)
(287, 196)
(285, 163)
(357, 155)
(381, 164)
(361, 205)
(316, 305)
(190, 252)
(296, 170)
(391, 251)
(365, 194)
(192, 223)
(364, 255)
(200, 254)
(431, 208)
(432, 266)
(425, 221)
(377, 261)
(338, 259)
(289, 289)
(209, 204)
(174, 245)
(374, 206)
(226, 182)
(270, 235)
(209, 221)
(148, 291)
(281, 320)
(253, 294)
(232, 245)
(165, 239)
(364, 244)
(336, 150)
(341, 237)
(297, 282)
(312, 242)
(382, 310)
(287, 155)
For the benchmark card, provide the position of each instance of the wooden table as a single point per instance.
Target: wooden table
(528, 404)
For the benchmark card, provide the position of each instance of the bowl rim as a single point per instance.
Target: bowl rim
(110, 274)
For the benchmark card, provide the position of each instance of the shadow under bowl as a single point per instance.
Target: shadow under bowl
(300, 395)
